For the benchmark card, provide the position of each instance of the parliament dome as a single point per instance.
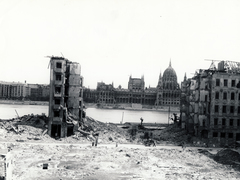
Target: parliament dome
(169, 78)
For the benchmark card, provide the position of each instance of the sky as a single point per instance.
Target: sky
(113, 39)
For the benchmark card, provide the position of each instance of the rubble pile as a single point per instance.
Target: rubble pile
(174, 134)
(227, 156)
(108, 132)
(35, 127)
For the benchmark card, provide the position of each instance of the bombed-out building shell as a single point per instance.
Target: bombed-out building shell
(210, 103)
(65, 96)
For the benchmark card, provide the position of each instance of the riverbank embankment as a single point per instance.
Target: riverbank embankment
(21, 102)
(129, 107)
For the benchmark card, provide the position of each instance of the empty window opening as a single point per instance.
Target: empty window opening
(215, 134)
(56, 113)
(231, 122)
(57, 101)
(56, 130)
(58, 77)
(59, 65)
(225, 82)
(224, 95)
(215, 121)
(237, 136)
(224, 109)
(223, 122)
(217, 82)
(232, 109)
(232, 96)
(223, 135)
(233, 83)
(58, 90)
(230, 135)
(216, 108)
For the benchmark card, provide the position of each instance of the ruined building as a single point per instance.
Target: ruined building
(210, 103)
(65, 103)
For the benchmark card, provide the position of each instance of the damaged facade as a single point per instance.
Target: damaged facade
(65, 103)
(210, 103)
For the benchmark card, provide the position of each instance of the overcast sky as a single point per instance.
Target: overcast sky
(113, 39)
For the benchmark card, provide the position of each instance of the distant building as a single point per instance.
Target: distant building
(167, 92)
(210, 103)
(12, 90)
(23, 91)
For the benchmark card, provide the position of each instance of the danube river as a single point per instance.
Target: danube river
(8, 111)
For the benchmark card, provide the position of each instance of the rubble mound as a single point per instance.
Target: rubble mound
(35, 127)
(227, 156)
(108, 132)
(174, 134)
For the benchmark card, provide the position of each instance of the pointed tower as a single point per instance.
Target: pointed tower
(185, 77)
(160, 80)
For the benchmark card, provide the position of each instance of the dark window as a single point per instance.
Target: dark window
(57, 90)
(238, 122)
(57, 101)
(230, 135)
(58, 77)
(223, 135)
(239, 96)
(232, 96)
(215, 121)
(56, 114)
(204, 110)
(59, 65)
(224, 95)
(217, 95)
(231, 109)
(231, 122)
(223, 122)
(217, 82)
(225, 82)
(233, 83)
(224, 109)
(216, 108)
(238, 109)
(206, 98)
(215, 134)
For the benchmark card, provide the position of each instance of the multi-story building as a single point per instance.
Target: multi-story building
(12, 90)
(210, 103)
(22, 91)
(65, 97)
(167, 92)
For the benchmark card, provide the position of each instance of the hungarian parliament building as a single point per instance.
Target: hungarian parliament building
(166, 93)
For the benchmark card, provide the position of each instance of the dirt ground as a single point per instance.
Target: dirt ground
(68, 161)
(117, 155)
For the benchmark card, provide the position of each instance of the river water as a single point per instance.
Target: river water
(8, 111)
